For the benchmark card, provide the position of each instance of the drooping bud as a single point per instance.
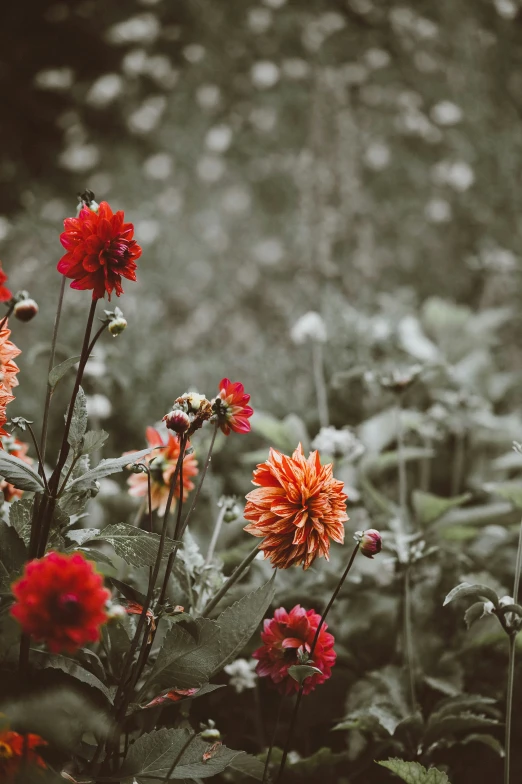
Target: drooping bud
(370, 542)
(117, 322)
(25, 309)
(177, 420)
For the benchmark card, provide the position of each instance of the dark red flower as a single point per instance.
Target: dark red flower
(17, 753)
(100, 251)
(5, 294)
(231, 407)
(287, 637)
(370, 542)
(60, 601)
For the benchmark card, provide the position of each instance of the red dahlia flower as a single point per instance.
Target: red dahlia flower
(298, 507)
(100, 251)
(5, 294)
(286, 637)
(16, 751)
(17, 448)
(60, 601)
(231, 407)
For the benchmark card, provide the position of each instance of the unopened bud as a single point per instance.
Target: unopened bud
(177, 420)
(505, 601)
(116, 612)
(370, 542)
(26, 309)
(117, 326)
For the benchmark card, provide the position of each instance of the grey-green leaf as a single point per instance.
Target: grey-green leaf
(185, 663)
(20, 514)
(105, 468)
(78, 422)
(42, 660)
(19, 474)
(134, 545)
(300, 672)
(12, 555)
(414, 772)
(60, 370)
(474, 613)
(477, 590)
(93, 440)
(429, 508)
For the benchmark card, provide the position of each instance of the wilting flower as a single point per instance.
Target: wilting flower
(133, 608)
(287, 640)
(17, 449)
(162, 464)
(100, 250)
(16, 752)
(60, 600)
(5, 294)
(174, 695)
(242, 674)
(297, 507)
(231, 408)
(370, 542)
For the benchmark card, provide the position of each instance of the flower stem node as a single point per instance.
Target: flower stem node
(370, 542)
(177, 420)
(26, 308)
(197, 408)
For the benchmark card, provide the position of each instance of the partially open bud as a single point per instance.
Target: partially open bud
(370, 542)
(177, 420)
(117, 326)
(26, 309)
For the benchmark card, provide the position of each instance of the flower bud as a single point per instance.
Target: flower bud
(177, 420)
(504, 601)
(117, 326)
(115, 612)
(232, 514)
(26, 309)
(370, 542)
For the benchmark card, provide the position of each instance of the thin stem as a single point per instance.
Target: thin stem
(177, 530)
(320, 383)
(409, 655)
(234, 577)
(425, 468)
(272, 740)
(97, 335)
(509, 706)
(41, 470)
(202, 478)
(458, 462)
(49, 393)
(215, 534)
(401, 463)
(312, 649)
(9, 311)
(67, 475)
(179, 756)
(518, 567)
(140, 513)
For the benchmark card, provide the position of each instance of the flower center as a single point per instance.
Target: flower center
(5, 750)
(68, 608)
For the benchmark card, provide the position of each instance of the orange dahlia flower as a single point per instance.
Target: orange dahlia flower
(17, 751)
(162, 464)
(297, 507)
(8, 372)
(18, 449)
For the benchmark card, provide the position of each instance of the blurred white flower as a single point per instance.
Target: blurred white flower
(457, 174)
(100, 183)
(215, 236)
(135, 62)
(208, 96)
(310, 326)
(80, 157)
(98, 406)
(338, 443)
(105, 90)
(143, 28)
(269, 251)
(438, 211)
(319, 29)
(242, 674)
(236, 200)
(147, 231)
(377, 156)
(54, 79)
(219, 138)
(210, 168)
(425, 28)
(96, 367)
(376, 58)
(147, 116)
(264, 118)
(507, 9)
(265, 74)
(159, 68)
(498, 260)
(5, 227)
(159, 166)
(170, 202)
(354, 73)
(425, 62)
(259, 20)
(446, 113)
(274, 3)
(295, 68)
(194, 53)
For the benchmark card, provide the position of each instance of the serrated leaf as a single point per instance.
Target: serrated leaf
(60, 370)
(414, 772)
(464, 703)
(300, 672)
(19, 474)
(485, 740)
(78, 422)
(82, 535)
(93, 440)
(478, 590)
(20, 517)
(474, 613)
(152, 755)
(183, 662)
(134, 545)
(449, 725)
(248, 765)
(42, 660)
(239, 622)
(12, 555)
(106, 468)
(429, 508)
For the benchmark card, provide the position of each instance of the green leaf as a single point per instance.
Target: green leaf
(440, 727)
(152, 755)
(414, 773)
(60, 370)
(105, 468)
(19, 474)
(373, 465)
(78, 422)
(184, 662)
(511, 491)
(42, 660)
(239, 622)
(429, 508)
(12, 556)
(81, 535)
(474, 613)
(20, 516)
(248, 765)
(93, 440)
(478, 590)
(300, 672)
(136, 546)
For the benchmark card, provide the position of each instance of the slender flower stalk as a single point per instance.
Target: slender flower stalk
(234, 577)
(458, 462)
(215, 534)
(201, 480)
(9, 311)
(41, 469)
(401, 463)
(509, 707)
(409, 655)
(320, 383)
(52, 355)
(316, 637)
(272, 740)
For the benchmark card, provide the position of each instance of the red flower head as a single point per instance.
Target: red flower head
(60, 601)
(18, 449)
(231, 408)
(100, 251)
(16, 751)
(297, 507)
(5, 294)
(162, 464)
(286, 637)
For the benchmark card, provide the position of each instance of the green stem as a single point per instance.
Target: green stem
(458, 463)
(202, 479)
(409, 656)
(234, 577)
(41, 470)
(320, 383)
(49, 393)
(403, 480)
(518, 567)
(215, 534)
(272, 741)
(509, 706)
(9, 311)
